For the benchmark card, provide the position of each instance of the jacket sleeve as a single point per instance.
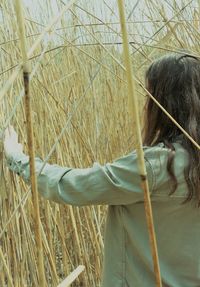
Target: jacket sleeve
(116, 183)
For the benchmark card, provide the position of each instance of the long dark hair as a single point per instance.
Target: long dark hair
(174, 81)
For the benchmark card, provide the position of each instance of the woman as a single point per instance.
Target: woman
(173, 168)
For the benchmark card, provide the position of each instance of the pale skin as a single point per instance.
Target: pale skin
(11, 144)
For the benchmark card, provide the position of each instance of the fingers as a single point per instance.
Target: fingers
(6, 134)
(8, 130)
(20, 148)
(10, 134)
(11, 144)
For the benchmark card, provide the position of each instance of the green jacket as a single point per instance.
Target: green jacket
(127, 261)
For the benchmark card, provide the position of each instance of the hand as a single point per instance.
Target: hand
(11, 144)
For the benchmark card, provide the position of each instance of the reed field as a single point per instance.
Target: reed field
(79, 105)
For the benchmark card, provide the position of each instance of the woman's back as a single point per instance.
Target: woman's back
(128, 261)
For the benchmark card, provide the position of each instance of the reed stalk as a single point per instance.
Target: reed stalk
(133, 109)
(33, 179)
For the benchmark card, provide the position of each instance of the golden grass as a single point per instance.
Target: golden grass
(79, 102)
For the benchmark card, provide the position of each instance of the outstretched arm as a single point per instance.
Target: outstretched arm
(117, 183)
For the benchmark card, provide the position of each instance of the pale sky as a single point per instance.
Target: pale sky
(106, 10)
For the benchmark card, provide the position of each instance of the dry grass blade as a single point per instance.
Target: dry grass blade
(48, 28)
(6, 268)
(70, 279)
